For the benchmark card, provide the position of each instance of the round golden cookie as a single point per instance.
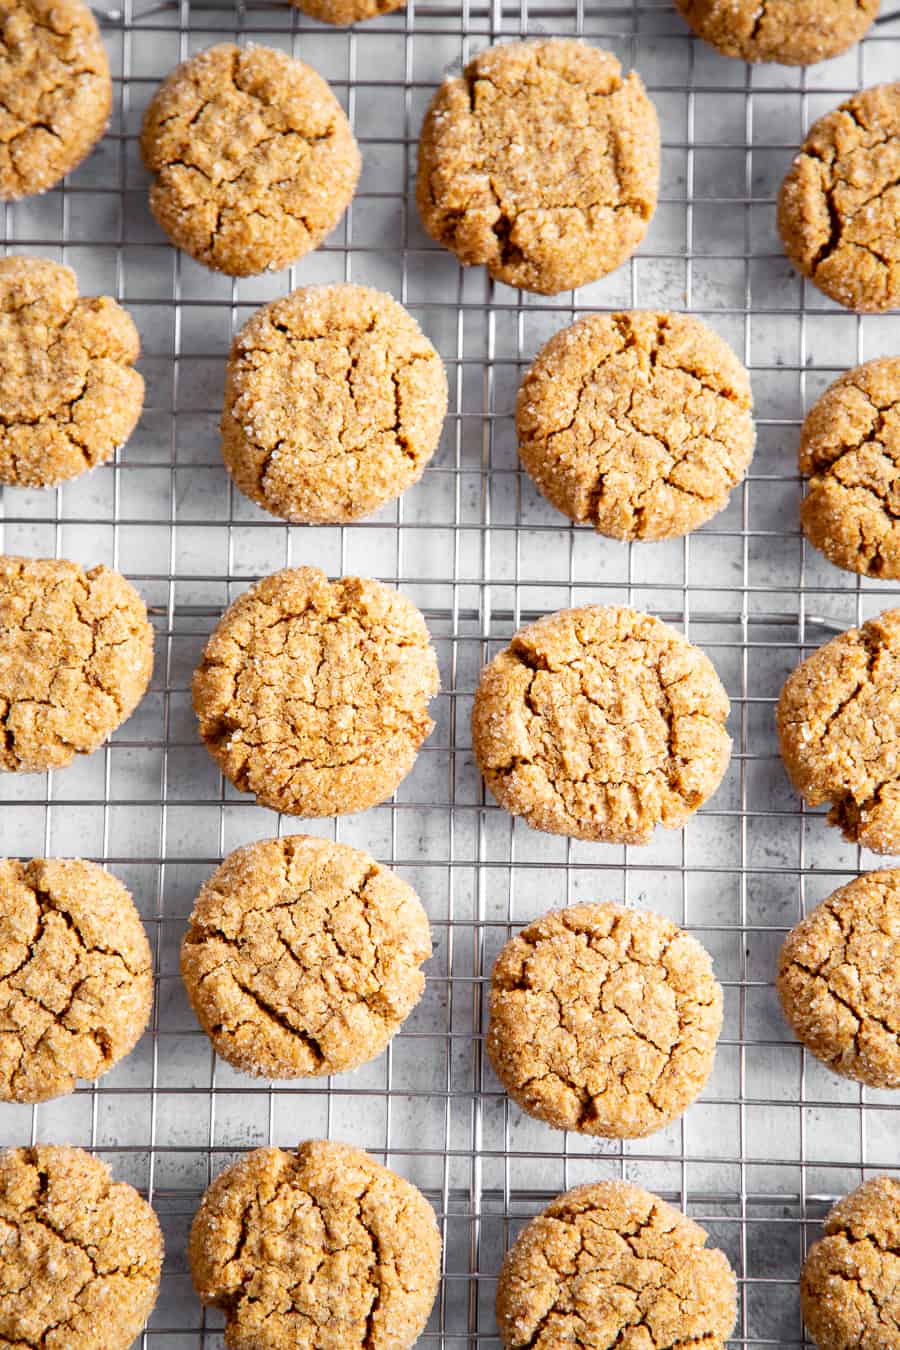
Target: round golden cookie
(302, 957)
(320, 1248)
(604, 1020)
(82, 1254)
(639, 424)
(55, 92)
(850, 1282)
(313, 694)
(253, 157)
(69, 395)
(792, 32)
(334, 403)
(76, 976)
(541, 162)
(76, 656)
(839, 206)
(343, 12)
(612, 1265)
(839, 727)
(601, 723)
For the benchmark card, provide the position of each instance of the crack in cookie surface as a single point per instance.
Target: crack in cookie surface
(792, 32)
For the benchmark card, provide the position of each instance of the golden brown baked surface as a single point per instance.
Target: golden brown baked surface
(320, 1248)
(540, 161)
(637, 423)
(344, 12)
(793, 32)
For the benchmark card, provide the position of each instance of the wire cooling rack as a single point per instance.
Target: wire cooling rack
(774, 1138)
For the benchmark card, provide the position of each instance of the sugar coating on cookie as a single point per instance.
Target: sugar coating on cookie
(319, 1248)
(636, 423)
(839, 206)
(313, 694)
(604, 1020)
(76, 655)
(55, 92)
(850, 1282)
(540, 161)
(611, 1265)
(69, 393)
(792, 32)
(839, 727)
(253, 157)
(850, 450)
(76, 975)
(334, 403)
(82, 1254)
(303, 957)
(601, 723)
(343, 12)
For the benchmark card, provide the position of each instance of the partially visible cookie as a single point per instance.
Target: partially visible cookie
(345, 12)
(839, 207)
(82, 1254)
(69, 393)
(604, 1020)
(850, 1282)
(839, 727)
(639, 424)
(320, 1248)
(601, 723)
(611, 1265)
(334, 403)
(76, 655)
(793, 32)
(541, 162)
(55, 92)
(253, 157)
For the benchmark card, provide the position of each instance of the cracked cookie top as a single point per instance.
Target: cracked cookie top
(850, 1282)
(255, 162)
(313, 694)
(839, 207)
(792, 32)
(55, 92)
(76, 975)
(637, 423)
(319, 1248)
(81, 1253)
(850, 449)
(839, 727)
(601, 723)
(69, 395)
(542, 162)
(604, 1020)
(612, 1265)
(76, 655)
(334, 403)
(302, 957)
(839, 980)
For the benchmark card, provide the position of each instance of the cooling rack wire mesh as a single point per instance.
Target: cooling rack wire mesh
(774, 1138)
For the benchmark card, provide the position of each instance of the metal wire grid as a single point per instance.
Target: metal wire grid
(774, 1138)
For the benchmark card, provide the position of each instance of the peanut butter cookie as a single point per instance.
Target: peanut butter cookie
(343, 12)
(69, 395)
(541, 162)
(82, 1254)
(638, 423)
(604, 1020)
(313, 694)
(76, 976)
(76, 655)
(601, 723)
(839, 727)
(839, 207)
(302, 957)
(850, 1283)
(334, 402)
(320, 1248)
(612, 1265)
(792, 32)
(55, 92)
(255, 162)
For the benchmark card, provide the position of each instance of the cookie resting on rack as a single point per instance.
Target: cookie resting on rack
(343, 12)
(792, 32)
